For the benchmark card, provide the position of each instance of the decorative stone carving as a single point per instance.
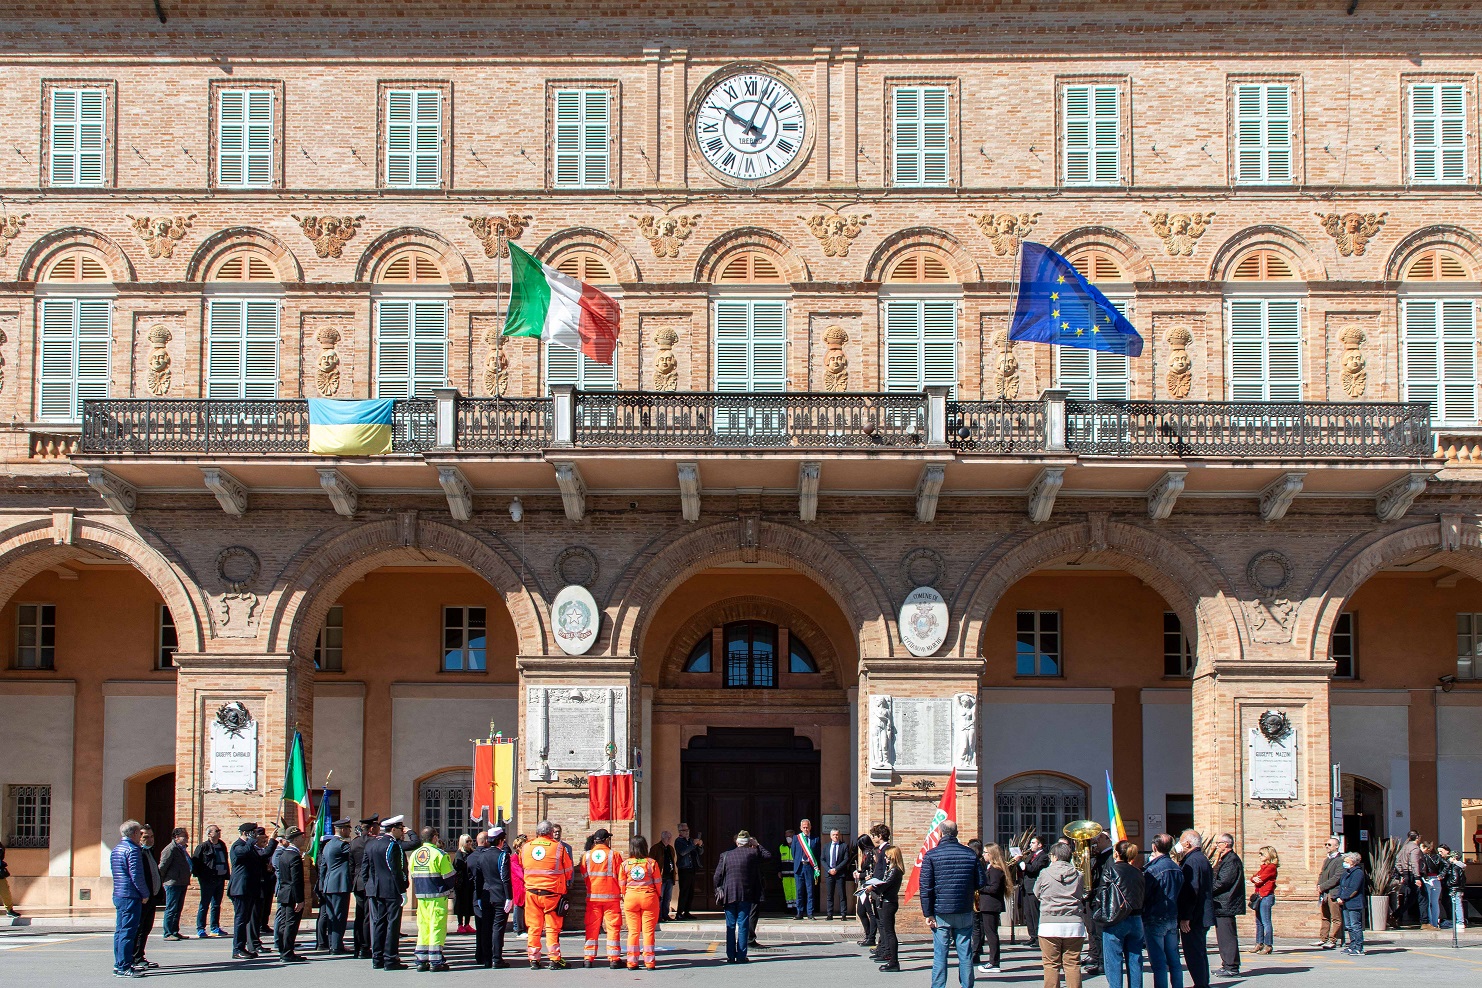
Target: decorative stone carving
(575, 728)
(835, 232)
(329, 234)
(237, 566)
(922, 567)
(1278, 495)
(1391, 503)
(666, 365)
(158, 381)
(327, 367)
(1355, 368)
(1180, 365)
(1005, 367)
(577, 566)
(495, 232)
(161, 233)
(1005, 231)
(1270, 571)
(1164, 494)
(1042, 493)
(1351, 231)
(496, 364)
(1272, 620)
(1178, 231)
(121, 496)
(10, 228)
(965, 737)
(882, 739)
(665, 233)
(835, 361)
(3, 340)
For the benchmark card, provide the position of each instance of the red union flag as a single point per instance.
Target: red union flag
(946, 810)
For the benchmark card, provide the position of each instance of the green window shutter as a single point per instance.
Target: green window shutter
(934, 136)
(568, 138)
(1075, 368)
(224, 338)
(1093, 143)
(260, 350)
(583, 119)
(1453, 132)
(1459, 359)
(903, 319)
(1263, 114)
(562, 366)
(414, 138)
(94, 346)
(1265, 350)
(769, 346)
(77, 136)
(393, 349)
(429, 347)
(598, 377)
(732, 345)
(1438, 132)
(1278, 134)
(1107, 131)
(595, 135)
(259, 138)
(1422, 344)
(1283, 350)
(909, 125)
(750, 345)
(1247, 350)
(76, 350)
(429, 139)
(939, 343)
(1077, 135)
(231, 137)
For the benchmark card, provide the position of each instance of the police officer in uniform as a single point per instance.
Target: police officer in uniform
(493, 899)
(242, 886)
(371, 826)
(288, 866)
(383, 872)
(334, 888)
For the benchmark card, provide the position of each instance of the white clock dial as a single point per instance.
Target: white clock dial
(750, 126)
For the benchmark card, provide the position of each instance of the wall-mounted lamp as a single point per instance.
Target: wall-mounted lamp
(516, 510)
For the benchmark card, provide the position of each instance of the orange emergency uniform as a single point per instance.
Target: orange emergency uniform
(547, 868)
(641, 880)
(600, 865)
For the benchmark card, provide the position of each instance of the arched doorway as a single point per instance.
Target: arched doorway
(1037, 803)
(1363, 815)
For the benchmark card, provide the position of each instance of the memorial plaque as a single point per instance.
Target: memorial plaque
(233, 750)
(923, 735)
(1272, 766)
(577, 726)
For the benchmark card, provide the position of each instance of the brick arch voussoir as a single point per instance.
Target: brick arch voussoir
(759, 607)
(454, 265)
(790, 261)
(1447, 236)
(28, 549)
(1134, 261)
(39, 255)
(285, 262)
(604, 245)
(959, 260)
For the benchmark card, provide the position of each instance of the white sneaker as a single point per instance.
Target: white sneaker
(985, 969)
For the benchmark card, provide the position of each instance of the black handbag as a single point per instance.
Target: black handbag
(1255, 900)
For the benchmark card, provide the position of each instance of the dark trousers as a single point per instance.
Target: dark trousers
(666, 892)
(244, 935)
(686, 892)
(329, 934)
(1229, 942)
(208, 913)
(285, 928)
(489, 922)
(385, 930)
(1031, 917)
(263, 918)
(1196, 955)
(146, 927)
(888, 951)
(990, 937)
(174, 905)
(835, 890)
(362, 934)
(807, 894)
(1093, 944)
(865, 910)
(125, 931)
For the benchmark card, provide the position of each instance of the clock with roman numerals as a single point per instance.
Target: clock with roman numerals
(750, 125)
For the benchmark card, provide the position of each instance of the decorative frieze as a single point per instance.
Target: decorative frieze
(1178, 231)
(10, 228)
(835, 232)
(1351, 231)
(161, 233)
(1005, 231)
(158, 382)
(495, 232)
(1005, 381)
(666, 364)
(1180, 365)
(1354, 373)
(329, 234)
(664, 233)
(327, 367)
(835, 361)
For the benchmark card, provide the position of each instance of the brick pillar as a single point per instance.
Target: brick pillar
(1228, 699)
(278, 691)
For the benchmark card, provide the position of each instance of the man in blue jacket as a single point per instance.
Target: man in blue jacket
(1162, 883)
(1350, 896)
(805, 852)
(1196, 908)
(950, 874)
(131, 889)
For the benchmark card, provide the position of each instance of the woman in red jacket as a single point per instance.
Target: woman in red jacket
(1264, 896)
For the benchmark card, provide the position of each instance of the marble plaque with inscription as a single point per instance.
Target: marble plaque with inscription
(1273, 766)
(923, 735)
(578, 725)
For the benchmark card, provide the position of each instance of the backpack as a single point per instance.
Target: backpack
(1109, 903)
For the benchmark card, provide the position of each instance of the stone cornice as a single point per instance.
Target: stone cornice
(560, 667)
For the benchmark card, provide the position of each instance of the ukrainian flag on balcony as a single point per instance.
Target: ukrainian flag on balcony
(349, 428)
(1057, 305)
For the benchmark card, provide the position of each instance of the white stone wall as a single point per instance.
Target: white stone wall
(1458, 767)
(139, 734)
(1371, 739)
(433, 727)
(36, 750)
(339, 744)
(1167, 740)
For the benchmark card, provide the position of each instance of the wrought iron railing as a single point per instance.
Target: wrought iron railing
(167, 425)
(996, 426)
(487, 424)
(1251, 428)
(700, 420)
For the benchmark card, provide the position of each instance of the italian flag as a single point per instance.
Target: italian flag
(557, 308)
(296, 782)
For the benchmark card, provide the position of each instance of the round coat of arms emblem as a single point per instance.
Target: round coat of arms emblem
(923, 621)
(575, 617)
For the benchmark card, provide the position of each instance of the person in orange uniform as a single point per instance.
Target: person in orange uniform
(640, 877)
(547, 868)
(601, 866)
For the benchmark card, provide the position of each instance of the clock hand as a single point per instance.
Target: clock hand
(730, 112)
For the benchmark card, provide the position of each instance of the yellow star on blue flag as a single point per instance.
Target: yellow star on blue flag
(1050, 285)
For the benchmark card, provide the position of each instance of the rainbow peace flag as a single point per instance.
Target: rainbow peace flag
(349, 428)
(1118, 828)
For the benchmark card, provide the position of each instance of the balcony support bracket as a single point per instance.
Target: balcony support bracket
(573, 490)
(689, 490)
(928, 488)
(1391, 503)
(344, 495)
(1042, 493)
(230, 492)
(809, 472)
(120, 496)
(1278, 496)
(459, 492)
(1163, 494)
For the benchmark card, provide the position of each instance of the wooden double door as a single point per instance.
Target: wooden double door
(762, 780)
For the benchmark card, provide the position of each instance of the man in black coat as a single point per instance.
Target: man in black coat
(288, 867)
(370, 827)
(1031, 861)
(334, 889)
(209, 865)
(265, 847)
(243, 887)
(738, 888)
(493, 899)
(1228, 893)
(383, 871)
(1102, 850)
(1196, 908)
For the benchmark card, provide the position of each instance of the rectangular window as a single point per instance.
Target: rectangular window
(1265, 350)
(244, 138)
(36, 636)
(411, 348)
(1091, 375)
(1440, 342)
(1438, 132)
(1469, 646)
(1263, 134)
(750, 345)
(76, 346)
(329, 647)
(921, 135)
(1038, 644)
(29, 812)
(1093, 135)
(1343, 648)
(920, 344)
(564, 365)
(465, 647)
(1178, 659)
(78, 126)
(414, 138)
(583, 138)
(167, 639)
(242, 348)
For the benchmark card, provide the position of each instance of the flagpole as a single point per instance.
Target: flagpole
(1013, 303)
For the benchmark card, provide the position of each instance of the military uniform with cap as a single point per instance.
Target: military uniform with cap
(493, 898)
(383, 870)
(362, 935)
(243, 884)
(288, 867)
(334, 889)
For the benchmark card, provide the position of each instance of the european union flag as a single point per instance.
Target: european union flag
(1057, 305)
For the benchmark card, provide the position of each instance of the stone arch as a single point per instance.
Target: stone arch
(761, 608)
(618, 258)
(120, 268)
(1462, 242)
(449, 257)
(1283, 240)
(316, 576)
(789, 260)
(32, 547)
(284, 261)
(957, 257)
(1138, 266)
(655, 573)
(1195, 591)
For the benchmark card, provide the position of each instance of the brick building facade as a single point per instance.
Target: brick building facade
(814, 410)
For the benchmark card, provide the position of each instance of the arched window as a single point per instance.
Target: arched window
(242, 331)
(1436, 265)
(564, 365)
(76, 330)
(1263, 265)
(77, 265)
(919, 267)
(1094, 375)
(750, 335)
(244, 265)
(445, 800)
(1438, 329)
(411, 331)
(1095, 264)
(585, 266)
(411, 266)
(921, 331)
(1038, 803)
(1264, 331)
(749, 652)
(749, 267)
(699, 660)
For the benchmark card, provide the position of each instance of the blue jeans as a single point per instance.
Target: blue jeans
(1433, 899)
(664, 895)
(1122, 942)
(210, 907)
(125, 931)
(958, 926)
(174, 901)
(1162, 944)
(738, 929)
(1263, 919)
(1353, 925)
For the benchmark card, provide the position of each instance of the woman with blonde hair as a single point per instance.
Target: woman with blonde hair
(463, 885)
(1263, 897)
(991, 899)
(888, 893)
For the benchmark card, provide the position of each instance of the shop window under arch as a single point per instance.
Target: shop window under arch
(747, 654)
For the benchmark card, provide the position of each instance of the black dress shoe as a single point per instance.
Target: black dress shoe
(441, 967)
(238, 955)
(395, 966)
(501, 963)
(865, 943)
(890, 967)
(424, 966)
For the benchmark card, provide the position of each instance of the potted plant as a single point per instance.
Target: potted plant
(1382, 880)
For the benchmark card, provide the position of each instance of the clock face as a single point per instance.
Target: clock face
(750, 126)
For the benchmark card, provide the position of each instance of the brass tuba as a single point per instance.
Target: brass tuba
(1083, 834)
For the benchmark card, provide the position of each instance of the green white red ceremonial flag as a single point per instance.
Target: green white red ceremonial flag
(946, 810)
(556, 308)
(296, 782)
